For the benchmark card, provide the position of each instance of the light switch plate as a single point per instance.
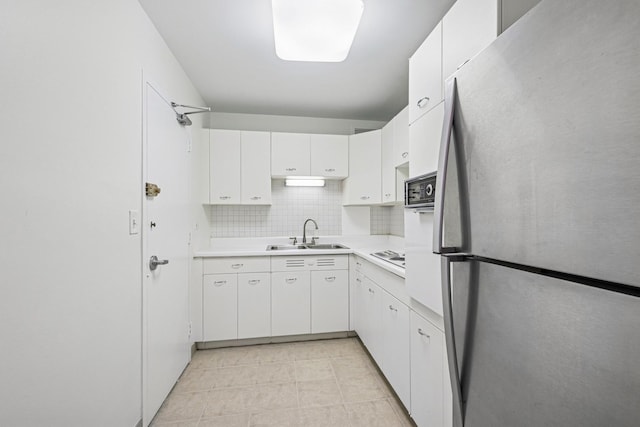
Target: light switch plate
(134, 222)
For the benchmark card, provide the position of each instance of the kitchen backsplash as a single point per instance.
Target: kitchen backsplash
(291, 207)
(387, 220)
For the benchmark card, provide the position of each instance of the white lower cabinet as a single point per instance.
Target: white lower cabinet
(427, 348)
(329, 301)
(396, 348)
(220, 318)
(290, 303)
(371, 318)
(254, 305)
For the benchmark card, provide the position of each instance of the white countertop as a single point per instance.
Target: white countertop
(362, 246)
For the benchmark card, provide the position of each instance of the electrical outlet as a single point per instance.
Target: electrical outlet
(134, 222)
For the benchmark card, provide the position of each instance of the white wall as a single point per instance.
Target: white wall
(70, 169)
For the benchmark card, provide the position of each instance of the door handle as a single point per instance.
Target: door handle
(443, 161)
(154, 262)
(452, 352)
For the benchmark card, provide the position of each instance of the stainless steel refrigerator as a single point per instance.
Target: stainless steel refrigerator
(537, 219)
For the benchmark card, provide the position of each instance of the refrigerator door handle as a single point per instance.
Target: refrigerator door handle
(452, 354)
(443, 161)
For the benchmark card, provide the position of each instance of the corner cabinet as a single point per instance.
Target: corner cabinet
(364, 184)
(238, 171)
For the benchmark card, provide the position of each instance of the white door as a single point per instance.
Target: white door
(165, 231)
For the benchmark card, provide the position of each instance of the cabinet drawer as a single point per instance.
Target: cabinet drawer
(236, 265)
(310, 262)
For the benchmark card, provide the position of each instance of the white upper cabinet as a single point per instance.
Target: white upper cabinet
(388, 168)
(330, 156)
(301, 154)
(255, 181)
(401, 137)
(468, 27)
(224, 167)
(425, 75)
(290, 154)
(239, 168)
(363, 187)
(424, 142)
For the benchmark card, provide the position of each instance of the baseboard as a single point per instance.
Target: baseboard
(273, 340)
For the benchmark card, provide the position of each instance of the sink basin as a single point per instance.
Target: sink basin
(285, 247)
(325, 246)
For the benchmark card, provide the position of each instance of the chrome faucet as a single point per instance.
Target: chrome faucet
(304, 231)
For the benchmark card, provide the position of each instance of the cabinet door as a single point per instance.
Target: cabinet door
(220, 307)
(290, 154)
(425, 75)
(427, 346)
(355, 292)
(388, 168)
(330, 156)
(290, 303)
(424, 142)
(372, 319)
(254, 305)
(397, 348)
(224, 167)
(329, 301)
(256, 169)
(364, 185)
(401, 138)
(467, 28)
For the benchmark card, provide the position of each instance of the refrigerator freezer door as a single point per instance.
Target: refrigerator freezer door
(539, 351)
(546, 133)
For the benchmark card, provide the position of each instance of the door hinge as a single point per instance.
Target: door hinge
(189, 330)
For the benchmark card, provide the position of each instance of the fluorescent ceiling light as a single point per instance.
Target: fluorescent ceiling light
(315, 30)
(303, 182)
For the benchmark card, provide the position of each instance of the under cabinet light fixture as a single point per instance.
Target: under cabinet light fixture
(304, 182)
(315, 30)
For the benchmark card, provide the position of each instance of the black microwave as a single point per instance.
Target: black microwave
(420, 192)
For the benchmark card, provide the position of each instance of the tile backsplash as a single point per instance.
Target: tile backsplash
(387, 220)
(291, 206)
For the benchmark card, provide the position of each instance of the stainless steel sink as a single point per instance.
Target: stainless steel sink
(285, 247)
(325, 246)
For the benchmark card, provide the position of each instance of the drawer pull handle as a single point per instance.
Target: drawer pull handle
(330, 278)
(392, 309)
(405, 154)
(236, 266)
(219, 283)
(291, 280)
(256, 198)
(365, 197)
(372, 291)
(291, 169)
(254, 282)
(421, 332)
(422, 102)
(224, 197)
(330, 170)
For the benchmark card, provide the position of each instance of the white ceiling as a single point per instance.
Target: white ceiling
(226, 47)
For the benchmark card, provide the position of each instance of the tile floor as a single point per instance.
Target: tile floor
(313, 383)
